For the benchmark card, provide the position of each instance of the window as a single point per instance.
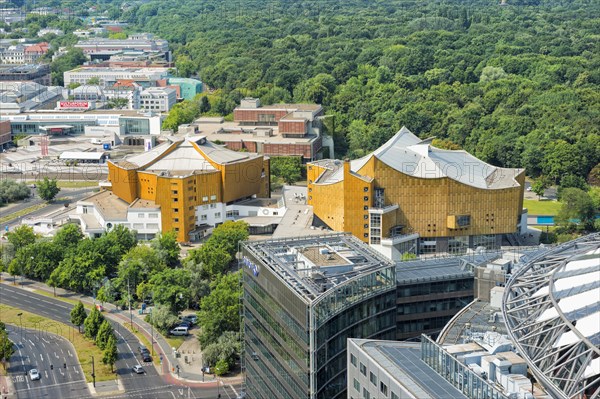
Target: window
(365, 208)
(176, 210)
(176, 220)
(217, 214)
(140, 215)
(366, 189)
(213, 206)
(357, 385)
(175, 199)
(373, 378)
(138, 225)
(353, 359)
(213, 197)
(153, 215)
(233, 213)
(383, 388)
(366, 217)
(366, 235)
(463, 220)
(394, 396)
(152, 226)
(366, 394)
(174, 192)
(366, 226)
(363, 369)
(366, 198)
(203, 218)
(204, 199)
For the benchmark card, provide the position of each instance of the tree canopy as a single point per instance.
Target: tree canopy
(516, 85)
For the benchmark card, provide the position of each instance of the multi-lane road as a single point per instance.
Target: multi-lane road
(149, 385)
(49, 354)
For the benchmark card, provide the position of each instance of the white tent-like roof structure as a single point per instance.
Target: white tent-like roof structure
(412, 156)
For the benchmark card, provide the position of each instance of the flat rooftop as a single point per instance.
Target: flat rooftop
(315, 264)
(233, 131)
(402, 361)
(482, 318)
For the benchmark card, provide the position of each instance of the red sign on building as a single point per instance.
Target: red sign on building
(74, 104)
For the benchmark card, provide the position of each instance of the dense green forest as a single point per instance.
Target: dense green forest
(517, 85)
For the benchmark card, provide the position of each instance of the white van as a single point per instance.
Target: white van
(179, 331)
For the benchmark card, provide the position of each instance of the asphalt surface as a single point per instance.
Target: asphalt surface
(127, 343)
(143, 386)
(48, 353)
(74, 196)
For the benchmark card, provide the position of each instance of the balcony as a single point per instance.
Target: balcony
(399, 238)
(384, 209)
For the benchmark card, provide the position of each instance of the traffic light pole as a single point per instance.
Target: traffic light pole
(93, 373)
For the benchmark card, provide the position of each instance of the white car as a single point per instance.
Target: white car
(34, 374)
(138, 369)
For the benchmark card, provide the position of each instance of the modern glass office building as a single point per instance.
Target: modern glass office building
(303, 297)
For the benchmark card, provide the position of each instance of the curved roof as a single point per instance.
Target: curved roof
(189, 155)
(412, 156)
(552, 311)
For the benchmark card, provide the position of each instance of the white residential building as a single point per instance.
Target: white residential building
(158, 99)
(104, 210)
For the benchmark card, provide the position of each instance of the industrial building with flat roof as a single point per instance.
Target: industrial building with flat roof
(410, 197)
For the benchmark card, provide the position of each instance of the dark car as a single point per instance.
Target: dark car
(192, 318)
(185, 323)
(146, 357)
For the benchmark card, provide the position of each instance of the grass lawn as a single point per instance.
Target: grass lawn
(72, 183)
(23, 212)
(85, 349)
(546, 207)
(174, 341)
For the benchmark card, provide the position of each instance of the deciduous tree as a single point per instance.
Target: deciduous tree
(78, 315)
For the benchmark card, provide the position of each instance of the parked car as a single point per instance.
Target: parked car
(146, 357)
(185, 323)
(181, 330)
(138, 369)
(143, 349)
(34, 374)
(192, 318)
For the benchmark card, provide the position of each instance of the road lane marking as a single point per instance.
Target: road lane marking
(46, 373)
(61, 372)
(70, 354)
(42, 357)
(75, 368)
(54, 385)
(233, 389)
(23, 364)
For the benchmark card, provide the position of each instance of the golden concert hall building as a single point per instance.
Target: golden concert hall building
(192, 181)
(408, 196)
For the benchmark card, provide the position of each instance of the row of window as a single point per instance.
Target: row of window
(383, 388)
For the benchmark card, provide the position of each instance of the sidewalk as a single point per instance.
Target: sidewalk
(168, 367)
(6, 387)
